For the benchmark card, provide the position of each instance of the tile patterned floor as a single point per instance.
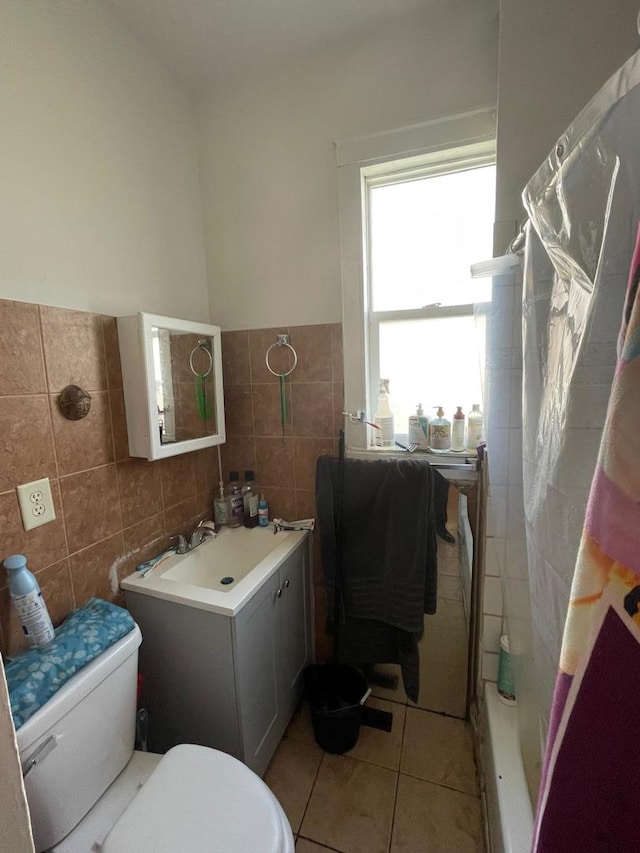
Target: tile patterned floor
(411, 790)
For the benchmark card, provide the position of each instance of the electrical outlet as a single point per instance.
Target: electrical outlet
(36, 503)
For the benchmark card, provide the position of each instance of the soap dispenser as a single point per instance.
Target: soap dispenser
(419, 429)
(440, 431)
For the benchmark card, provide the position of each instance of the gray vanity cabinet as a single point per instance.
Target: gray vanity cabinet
(272, 646)
(229, 682)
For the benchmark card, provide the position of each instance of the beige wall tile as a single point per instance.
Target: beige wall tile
(439, 749)
(207, 473)
(238, 454)
(91, 507)
(112, 352)
(143, 541)
(337, 357)
(235, 358)
(282, 502)
(351, 806)
(305, 455)
(429, 817)
(83, 444)
(274, 461)
(313, 409)
(178, 479)
(315, 358)
(96, 570)
(73, 349)
(267, 414)
(119, 424)
(181, 518)
(42, 545)
(140, 489)
(238, 408)
(21, 359)
(291, 775)
(26, 443)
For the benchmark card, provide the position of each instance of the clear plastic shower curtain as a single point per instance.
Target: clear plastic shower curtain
(584, 209)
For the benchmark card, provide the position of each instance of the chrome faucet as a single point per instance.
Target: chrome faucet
(185, 544)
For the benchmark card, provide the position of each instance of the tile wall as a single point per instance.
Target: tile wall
(112, 511)
(285, 465)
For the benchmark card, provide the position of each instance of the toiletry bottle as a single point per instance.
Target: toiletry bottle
(475, 428)
(263, 512)
(250, 500)
(440, 431)
(221, 507)
(234, 497)
(28, 601)
(419, 429)
(385, 435)
(457, 430)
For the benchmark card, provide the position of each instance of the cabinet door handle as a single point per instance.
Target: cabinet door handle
(286, 583)
(278, 593)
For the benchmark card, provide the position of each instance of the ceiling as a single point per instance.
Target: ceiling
(208, 41)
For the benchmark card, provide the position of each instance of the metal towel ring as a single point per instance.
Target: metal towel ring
(206, 347)
(283, 341)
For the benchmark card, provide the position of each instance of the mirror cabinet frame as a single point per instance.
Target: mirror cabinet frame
(135, 335)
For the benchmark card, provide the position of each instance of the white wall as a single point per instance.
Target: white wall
(100, 205)
(554, 55)
(268, 163)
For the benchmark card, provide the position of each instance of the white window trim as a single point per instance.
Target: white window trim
(451, 141)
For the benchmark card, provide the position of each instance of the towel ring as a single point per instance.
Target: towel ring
(283, 341)
(203, 346)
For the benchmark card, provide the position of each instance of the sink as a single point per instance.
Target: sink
(221, 574)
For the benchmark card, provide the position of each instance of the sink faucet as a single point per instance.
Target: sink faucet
(185, 544)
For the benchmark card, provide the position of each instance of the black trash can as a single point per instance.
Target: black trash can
(336, 693)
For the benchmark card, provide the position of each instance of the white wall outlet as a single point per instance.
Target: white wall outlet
(36, 503)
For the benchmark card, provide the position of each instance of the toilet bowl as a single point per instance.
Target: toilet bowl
(88, 790)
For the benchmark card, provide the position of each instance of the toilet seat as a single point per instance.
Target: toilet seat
(200, 800)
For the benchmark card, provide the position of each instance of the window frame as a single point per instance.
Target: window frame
(453, 143)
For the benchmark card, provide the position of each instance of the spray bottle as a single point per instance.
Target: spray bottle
(385, 435)
(27, 599)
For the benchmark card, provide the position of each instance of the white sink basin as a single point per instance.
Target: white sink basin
(222, 573)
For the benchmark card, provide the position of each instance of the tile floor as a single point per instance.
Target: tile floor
(412, 790)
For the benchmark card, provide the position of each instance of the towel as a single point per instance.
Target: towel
(591, 774)
(389, 557)
(35, 676)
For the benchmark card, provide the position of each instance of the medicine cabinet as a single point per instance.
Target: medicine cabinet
(172, 380)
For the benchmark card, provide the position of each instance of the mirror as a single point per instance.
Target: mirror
(172, 378)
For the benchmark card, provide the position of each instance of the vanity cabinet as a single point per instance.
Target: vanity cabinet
(229, 682)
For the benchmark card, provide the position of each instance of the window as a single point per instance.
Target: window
(410, 227)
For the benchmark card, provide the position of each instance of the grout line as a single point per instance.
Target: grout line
(313, 785)
(440, 785)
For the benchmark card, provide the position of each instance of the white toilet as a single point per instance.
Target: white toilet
(88, 790)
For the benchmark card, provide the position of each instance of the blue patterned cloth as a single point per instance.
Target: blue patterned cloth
(34, 677)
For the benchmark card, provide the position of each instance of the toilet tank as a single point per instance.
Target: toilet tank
(79, 741)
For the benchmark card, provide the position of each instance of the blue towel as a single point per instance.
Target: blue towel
(35, 676)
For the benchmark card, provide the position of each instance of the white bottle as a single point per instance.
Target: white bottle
(27, 599)
(457, 431)
(419, 429)
(475, 428)
(385, 435)
(440, 431)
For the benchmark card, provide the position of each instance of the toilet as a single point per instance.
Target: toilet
(89, 790)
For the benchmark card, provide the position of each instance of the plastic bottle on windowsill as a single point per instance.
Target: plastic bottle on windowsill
(384, 436)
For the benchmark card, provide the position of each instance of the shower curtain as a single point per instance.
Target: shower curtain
(584, 209)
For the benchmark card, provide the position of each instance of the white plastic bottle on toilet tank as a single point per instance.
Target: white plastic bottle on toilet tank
(27, 599)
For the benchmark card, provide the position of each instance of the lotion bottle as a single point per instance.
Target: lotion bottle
(419, 429)
(475, 427)
(440, 431)
(457, 430)
(27, 599)
(385, 435)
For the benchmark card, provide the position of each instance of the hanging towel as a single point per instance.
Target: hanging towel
(389, 555)
(35, 676)
(591, 776)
